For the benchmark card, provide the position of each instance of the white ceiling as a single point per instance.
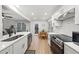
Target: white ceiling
(8, 12)
(34, 12)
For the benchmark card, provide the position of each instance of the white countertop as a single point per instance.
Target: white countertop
(4, 45)
(52, 33)
(72, 45)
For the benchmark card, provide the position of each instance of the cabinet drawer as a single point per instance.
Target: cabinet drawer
(68, 50)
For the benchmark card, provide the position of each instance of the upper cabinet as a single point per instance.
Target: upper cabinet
(57, 23)
(1, 21)
(65, 12)
(69, 14)
(62, 14)
(77, 14)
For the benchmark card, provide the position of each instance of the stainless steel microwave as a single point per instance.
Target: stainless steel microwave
(75, 36)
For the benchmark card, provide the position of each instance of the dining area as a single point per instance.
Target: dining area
(43, 35)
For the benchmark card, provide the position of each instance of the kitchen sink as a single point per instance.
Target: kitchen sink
(12, 38)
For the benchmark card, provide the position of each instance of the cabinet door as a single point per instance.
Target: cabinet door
(26, 45)
(76, 14)
(1, 23)
(68, 50)
(58, 23)
(8, 50)
(20, 46)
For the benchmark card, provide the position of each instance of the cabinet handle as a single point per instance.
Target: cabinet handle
(6, 53)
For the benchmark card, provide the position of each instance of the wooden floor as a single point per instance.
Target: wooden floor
(40, 46)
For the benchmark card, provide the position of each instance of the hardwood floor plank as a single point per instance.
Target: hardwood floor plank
(41, 46)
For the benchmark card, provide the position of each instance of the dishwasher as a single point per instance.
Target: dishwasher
(29, 40)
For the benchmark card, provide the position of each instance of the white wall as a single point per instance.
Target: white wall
(42, 25)
(67, 27)
(7, 23)
(1, 21)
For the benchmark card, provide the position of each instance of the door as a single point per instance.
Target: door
(36, 28)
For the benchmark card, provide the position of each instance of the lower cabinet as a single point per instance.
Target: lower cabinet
(19, 47)
(8, 50)
(68, 50)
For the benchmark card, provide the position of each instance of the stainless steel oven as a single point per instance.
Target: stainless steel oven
(57, 43)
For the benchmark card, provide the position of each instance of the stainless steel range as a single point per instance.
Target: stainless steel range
(57, 42)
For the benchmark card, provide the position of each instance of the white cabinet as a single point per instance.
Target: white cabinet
(26, 43)
(58, 23)
(50, 26)
(8, 50)
(69, 50)
(66, 8)
(0, 7)
(59, 14)
(19, 47)
(1, 24)
(77, 14)
(63, 10)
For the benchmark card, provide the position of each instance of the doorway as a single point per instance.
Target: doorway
(36, 28)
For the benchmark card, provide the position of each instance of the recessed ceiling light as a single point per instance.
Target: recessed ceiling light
(32, 13)
(17, 6)
(45, 13)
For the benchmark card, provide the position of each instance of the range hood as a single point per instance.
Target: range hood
(67, 15)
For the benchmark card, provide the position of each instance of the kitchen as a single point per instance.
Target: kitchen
(55, 26)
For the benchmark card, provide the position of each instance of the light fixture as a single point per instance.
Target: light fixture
(17, 6)
(45, 13)
(32, 13)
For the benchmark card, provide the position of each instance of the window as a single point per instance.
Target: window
(21, 27)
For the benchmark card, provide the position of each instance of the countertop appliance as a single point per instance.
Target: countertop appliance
(75, 36)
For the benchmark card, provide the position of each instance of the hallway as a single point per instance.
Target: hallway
(40, 46)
